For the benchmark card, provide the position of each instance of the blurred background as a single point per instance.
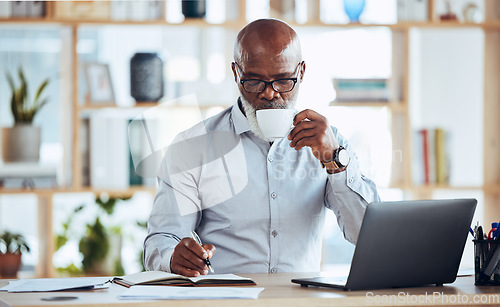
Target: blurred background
(412, 84)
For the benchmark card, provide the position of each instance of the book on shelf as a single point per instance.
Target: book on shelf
(22, 9)
(412, 10)
(156, 9)
(35, 8)
(109, 145)
(431, 157)
(82, 10)
(108, 151)
(119, 9)
(5, 9)
(160, 278)
(85, 150)
(137, 10)
(19, 9)
(136, 148)
(441, 158)
(375, 89)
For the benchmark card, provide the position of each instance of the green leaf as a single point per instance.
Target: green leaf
(13, 107)
(24, 92)
(60, 241)
(108, 206)
(79, 208)
(23, 110)
(18, 105)
(21, 75)
(11, 82)
(27, 117)
(71, 269)
(40, 89)
(13, 243)
(143, 224)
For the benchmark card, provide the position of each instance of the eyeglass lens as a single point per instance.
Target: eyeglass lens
(257, 86)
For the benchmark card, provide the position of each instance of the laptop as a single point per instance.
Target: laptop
(406, 244)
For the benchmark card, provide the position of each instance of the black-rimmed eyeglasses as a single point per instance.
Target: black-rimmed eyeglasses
(256, 86)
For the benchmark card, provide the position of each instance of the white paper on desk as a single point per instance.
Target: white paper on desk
(186, 293)
(56, 284)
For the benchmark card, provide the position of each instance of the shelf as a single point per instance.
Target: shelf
(132, 111)
(489, 25)
(186, 23)
(394, 106)
(492, 189)
(446, 24)
(112, 192)
(147, 105)
(117, 192)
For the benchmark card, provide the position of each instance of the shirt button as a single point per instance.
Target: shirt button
(351, 180)
(273, 195)
(270, 159)
(274, 233)
(274, 270)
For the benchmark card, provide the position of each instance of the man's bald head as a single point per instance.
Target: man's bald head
(270, 38)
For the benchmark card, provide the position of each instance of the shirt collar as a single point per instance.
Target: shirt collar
(240, 121)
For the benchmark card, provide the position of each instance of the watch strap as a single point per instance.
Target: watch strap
(332, 166)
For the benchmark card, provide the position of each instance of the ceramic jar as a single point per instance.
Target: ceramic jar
(146, 77)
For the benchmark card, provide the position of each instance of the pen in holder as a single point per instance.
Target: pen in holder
(487, 262)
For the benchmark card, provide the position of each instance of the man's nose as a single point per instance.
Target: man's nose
(268, 93)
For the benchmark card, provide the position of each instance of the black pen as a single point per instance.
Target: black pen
(479, 234)
(195, 236)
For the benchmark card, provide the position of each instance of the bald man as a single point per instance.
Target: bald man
(257, 205)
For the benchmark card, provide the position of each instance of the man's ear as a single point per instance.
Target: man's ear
(302, 70)
(233, 68)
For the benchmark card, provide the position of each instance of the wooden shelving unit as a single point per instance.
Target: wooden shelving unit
(401, 131)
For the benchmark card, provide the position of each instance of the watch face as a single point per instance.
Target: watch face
(343, 157)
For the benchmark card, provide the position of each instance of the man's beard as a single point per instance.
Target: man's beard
(250, 112)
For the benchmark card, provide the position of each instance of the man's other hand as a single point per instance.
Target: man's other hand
(188, 258)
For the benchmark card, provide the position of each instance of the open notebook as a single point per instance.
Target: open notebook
(168, 279)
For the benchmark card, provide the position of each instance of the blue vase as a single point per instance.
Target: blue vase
(146, 77)
(353, 9)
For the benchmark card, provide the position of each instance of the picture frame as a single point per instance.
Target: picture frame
(99, 86)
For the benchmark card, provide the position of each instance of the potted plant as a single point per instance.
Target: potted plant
(100, 245)
(21, 143)
(12, 245)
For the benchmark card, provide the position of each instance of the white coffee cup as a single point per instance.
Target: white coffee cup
(275, 124)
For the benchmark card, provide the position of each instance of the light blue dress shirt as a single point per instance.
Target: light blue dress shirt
(261, 205)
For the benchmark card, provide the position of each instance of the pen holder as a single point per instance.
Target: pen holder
(487, 262)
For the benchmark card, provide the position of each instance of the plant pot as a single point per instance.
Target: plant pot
(21, 143)
(9, 265)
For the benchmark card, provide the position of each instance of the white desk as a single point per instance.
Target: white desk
(279, 291)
